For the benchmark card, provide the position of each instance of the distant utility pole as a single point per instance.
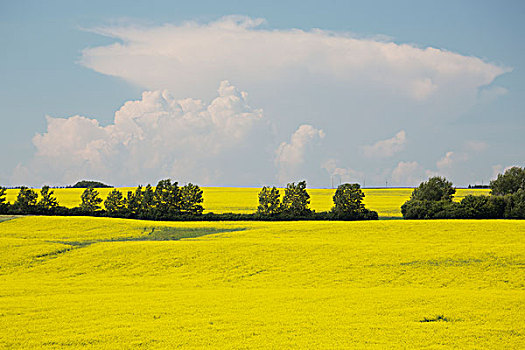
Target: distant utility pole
(386, 183)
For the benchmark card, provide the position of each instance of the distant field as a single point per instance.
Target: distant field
(387, 202)
(113, 283)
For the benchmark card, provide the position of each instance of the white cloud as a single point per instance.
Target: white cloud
(496, 169)
(156, 136)
(408, 174)
(289, 156)
(193, 55)
(340, 83)
(386, 148)
(450, 159)
(342, 175)
(499, 169)
(476, 146)
(489, 94)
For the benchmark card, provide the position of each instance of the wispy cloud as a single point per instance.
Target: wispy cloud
(195, 54)
(386, 148)
(342, 174)
(409, 173)
(290, 155)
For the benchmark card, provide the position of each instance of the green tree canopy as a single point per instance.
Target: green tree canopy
(26, 199)
(90, 200)
(166, 198)
(48, 200)
(89, 183)
(115, 202)
(435, 189)
(348, 199)
(510, 182)
(296, 200)
(269, 201)
(515, 207)
(148, 197)
(3, 199)
(134, 200)
(191, 199)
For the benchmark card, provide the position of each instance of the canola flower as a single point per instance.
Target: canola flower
(115, 283)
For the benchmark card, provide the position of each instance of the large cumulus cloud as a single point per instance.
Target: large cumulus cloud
(356, 90)
(154, 137)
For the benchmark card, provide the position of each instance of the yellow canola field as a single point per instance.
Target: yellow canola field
(387, 202)
(103, 283)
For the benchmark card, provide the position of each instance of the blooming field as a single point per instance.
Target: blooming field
(387, 202)
(115, 283)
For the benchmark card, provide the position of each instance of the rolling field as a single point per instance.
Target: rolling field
(387, 202)
(115, 283)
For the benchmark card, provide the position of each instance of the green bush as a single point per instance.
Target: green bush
(511, 205)
(515, 205)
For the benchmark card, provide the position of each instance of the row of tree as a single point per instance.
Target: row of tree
(27, 201)
(433, 200)
(348, 203)
(168, 201)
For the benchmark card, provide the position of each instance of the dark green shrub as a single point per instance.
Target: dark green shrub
(482, 207)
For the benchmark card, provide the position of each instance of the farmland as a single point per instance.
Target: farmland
(387, 202)
(115, 283)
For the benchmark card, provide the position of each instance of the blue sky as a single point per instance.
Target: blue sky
(45, 72)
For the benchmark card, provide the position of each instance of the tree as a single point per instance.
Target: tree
(432, 199)
(515, 205)
(508, 183)
(48, 201)
(166, 198)
(134, 201)
(115, 202)
(147, 204)
(435, 189)
(191, 199)
(269, 201)
(26, 200)
(348, 199)
(3, 200)
(90, 200)
(482, 207)
(296, 200)
(88, 183)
